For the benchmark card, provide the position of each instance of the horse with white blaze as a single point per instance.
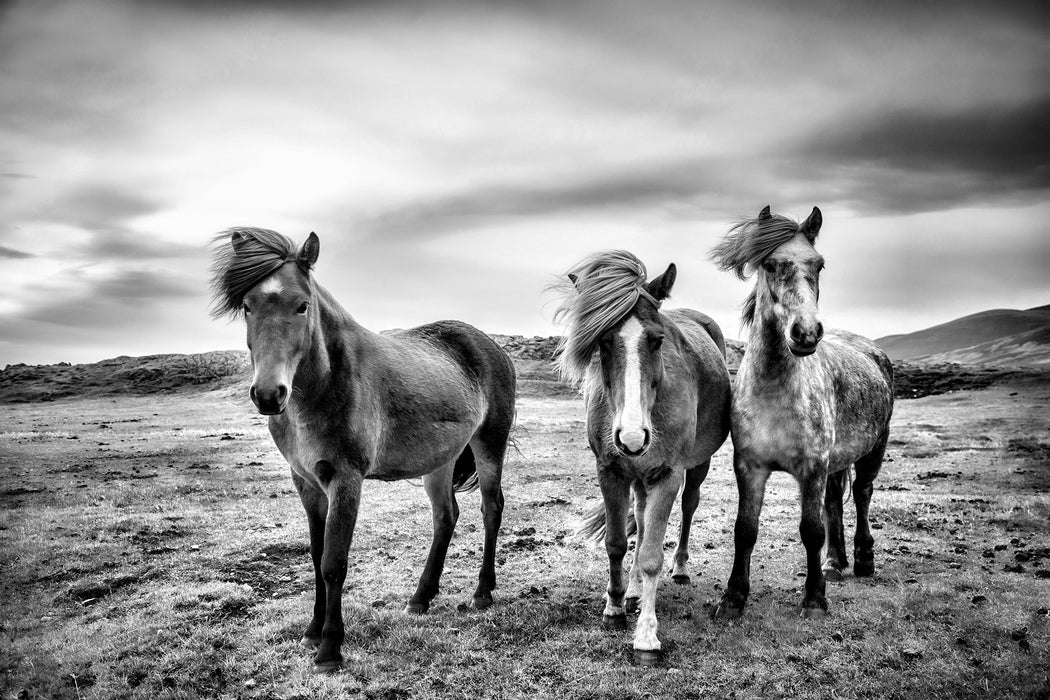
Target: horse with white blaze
(656, 390)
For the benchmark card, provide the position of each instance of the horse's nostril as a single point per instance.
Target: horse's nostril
(646, 437)
(820, 330)
(282, 393)
(796, 332)
(252, 395)
(616, 438)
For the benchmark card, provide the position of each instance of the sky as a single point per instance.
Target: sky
(455, 157)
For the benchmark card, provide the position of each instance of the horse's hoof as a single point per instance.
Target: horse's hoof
(648, 657)
(863, 568)
(726, 610)
(329, 666)
(680, 579)
(630, 605)
(816, 613)
(414, 608)
(482, 602)
(615, 623)
(832, 574)
(310, 642)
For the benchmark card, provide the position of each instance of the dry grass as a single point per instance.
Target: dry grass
(165, 555)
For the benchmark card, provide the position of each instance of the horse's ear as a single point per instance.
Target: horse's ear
(764, 214)
(660, 287)
(238, 241)
(811, 226)
(309, 251)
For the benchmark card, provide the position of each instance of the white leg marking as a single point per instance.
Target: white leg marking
(610, 609)
(632, 419)
(634, 582)
(645, 631)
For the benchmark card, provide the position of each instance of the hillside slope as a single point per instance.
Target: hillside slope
(997, 326)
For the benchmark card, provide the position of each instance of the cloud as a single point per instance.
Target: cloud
(917, 161)
(6, 252)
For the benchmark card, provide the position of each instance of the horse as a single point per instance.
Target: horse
(805, 402)
(346, 404)
(657, 393)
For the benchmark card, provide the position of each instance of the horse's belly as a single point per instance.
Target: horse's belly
(407, 454)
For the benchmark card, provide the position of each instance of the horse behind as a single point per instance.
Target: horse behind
(346, 404)
(805, 402)
(657, 397)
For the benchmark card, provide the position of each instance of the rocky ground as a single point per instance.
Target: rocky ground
(153, 546)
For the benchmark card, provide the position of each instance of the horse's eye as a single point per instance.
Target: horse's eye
(769, 267)
(302, 308)
(655, 341)
(246, 309)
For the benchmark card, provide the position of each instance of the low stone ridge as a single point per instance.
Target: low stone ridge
(537, 375)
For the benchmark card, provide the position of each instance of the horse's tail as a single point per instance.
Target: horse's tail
(465, 473)
(591, 527)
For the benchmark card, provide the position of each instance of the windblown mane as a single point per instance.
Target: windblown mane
(597, 293)
(747, 244)
(235, 271)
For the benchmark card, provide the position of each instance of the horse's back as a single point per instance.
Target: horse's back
(863, 385)
(480, 358)
(699, 329)
(706, 345)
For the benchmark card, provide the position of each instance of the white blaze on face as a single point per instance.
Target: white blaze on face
(272, 285)
(633, 422)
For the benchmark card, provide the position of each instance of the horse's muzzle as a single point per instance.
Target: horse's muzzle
(626, 451)
(270, 402)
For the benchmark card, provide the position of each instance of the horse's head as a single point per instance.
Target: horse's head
(789, 282)
(263, 276)
(632, 367)
(279, 314)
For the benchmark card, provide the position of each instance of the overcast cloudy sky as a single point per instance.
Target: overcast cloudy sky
(453, 156)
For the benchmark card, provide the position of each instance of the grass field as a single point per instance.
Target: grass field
(154, 547)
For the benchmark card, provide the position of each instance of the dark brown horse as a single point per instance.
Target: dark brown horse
(346, 404)
(657, 395)
(805, 402)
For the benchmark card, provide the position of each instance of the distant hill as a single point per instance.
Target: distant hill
(1002, 337)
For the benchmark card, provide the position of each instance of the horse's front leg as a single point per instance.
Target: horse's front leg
(650, 556)
(690, 500)
(615, 491)
(634, 581)
(315, 503)
(438, 485)
(344, 499)
(751, 489)
(812, 484)
(835, 559)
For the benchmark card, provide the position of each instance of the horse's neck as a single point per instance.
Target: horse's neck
(769, 362)
(333, 346)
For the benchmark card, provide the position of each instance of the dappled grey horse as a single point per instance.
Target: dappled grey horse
(656, 389)
(805, 402)
(347, 404)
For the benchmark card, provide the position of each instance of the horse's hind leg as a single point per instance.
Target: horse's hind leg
(690, 500)
(315, 503)
(438, 485)
(863, 543)
(489, 449)
(634, 580)
(835, 545)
